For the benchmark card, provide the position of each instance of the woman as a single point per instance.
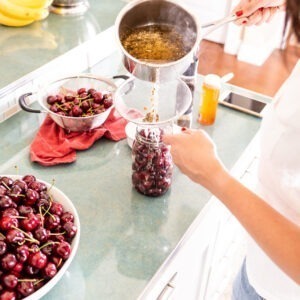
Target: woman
(272, 216)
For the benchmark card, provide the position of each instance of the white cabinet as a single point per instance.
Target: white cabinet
(205, 261)
(251, 44)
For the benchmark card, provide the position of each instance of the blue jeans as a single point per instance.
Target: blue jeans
(242, 290)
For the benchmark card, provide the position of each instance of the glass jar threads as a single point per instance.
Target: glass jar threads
(152, 164)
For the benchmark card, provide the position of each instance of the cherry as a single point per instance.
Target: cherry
(98, 98)
(5, 202)
(16, 194)
(70, 229)
(59, 98)
(15, 236)
(29, 178)
(38, 260)
(25, 288)
(63, 250)
(3, 248)
(3, 190)
(22, 253)
(22, 184)
(50, 270)
(41, 234)
(107, 103)
(30, 223)
(51, 99)
(17, 269)
(25, 210)
(37, 186)
(76, 111)
(7, 222)
(31, 270)
(8, 261)
(48, 248)
(69, 98)
(91, 91)
(10, 281)
(67, 217)
(57, 261)
(81, 90)
(10, 212)
(56, 208)
(6, 181)
(85, 105)
(52, 221)
(44, 195)
(8, 295)
(31, 197)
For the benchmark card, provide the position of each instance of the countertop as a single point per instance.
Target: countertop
(125, 237)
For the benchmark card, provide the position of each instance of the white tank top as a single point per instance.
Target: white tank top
(279, 185)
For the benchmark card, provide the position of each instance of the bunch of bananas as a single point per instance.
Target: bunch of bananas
(19, 13)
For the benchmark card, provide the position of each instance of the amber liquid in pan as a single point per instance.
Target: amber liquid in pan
(154, 43)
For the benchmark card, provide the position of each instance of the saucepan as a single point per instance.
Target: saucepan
(141, 13)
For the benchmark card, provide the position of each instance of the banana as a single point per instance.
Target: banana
(12, 10)
(8, 21)
(32, 3)
(43, 14)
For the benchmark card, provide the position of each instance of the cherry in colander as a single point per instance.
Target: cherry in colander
(82, 103)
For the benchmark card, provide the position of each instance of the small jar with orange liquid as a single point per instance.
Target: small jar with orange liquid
(209, 99)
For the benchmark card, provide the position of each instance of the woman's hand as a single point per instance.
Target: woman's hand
(195, 155)
(256, 12)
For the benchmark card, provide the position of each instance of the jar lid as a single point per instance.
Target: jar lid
(213, 81)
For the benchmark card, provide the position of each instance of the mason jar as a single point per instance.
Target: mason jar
(152, 164)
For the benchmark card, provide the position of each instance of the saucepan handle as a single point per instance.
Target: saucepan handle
(24, 105)
(218, 23)
(125, 77)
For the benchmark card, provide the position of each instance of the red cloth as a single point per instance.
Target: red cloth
(53, 145)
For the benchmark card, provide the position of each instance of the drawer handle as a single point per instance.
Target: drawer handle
(168, 289)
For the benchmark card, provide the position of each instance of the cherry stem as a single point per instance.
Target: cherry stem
(2, 235)
(58, 233)
(47, 210)
(16, 195)
(59, 263)
(18, 217)
(47, 244)
(27, 280)
(38, 281)
(52, 184)
(31, 239)
(17, 169)
(6, 185)
(41, 214)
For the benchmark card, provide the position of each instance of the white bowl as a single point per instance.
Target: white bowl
(60, 197)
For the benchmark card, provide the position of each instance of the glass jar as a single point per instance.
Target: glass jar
(152, 164)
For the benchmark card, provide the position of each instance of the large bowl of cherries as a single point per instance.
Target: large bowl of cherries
(39, 236)
(76, 103)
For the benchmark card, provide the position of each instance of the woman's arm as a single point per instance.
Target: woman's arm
(195, 154)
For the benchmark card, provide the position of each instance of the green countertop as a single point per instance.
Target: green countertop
(24, 49)
(125, 236)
